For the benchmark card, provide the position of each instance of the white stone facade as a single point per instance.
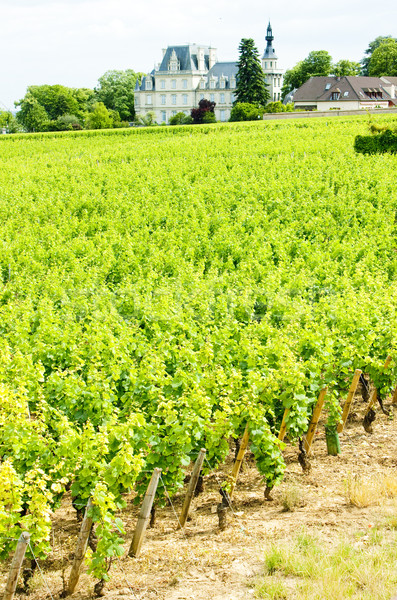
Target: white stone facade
(186, 75)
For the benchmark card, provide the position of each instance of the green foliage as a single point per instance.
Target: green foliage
(383, 60)
(369, 51)
(251, 86)
(162, 288)
(275, 107)
(32, 115)
(116, 91)
(318, 63)
(244, 111)
(99, 117)
(383, 139)
(148, 120)
(181, 119)
(9, 122)
(346, 68)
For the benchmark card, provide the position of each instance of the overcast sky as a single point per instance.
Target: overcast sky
(73, 42)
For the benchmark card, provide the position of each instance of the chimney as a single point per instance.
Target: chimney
(212, 58)
(200, 59)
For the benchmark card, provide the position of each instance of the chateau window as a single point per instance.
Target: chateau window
(184, 98)
(212, 84)
(163, 116)
(202, 85)
(149, 99)
(222, 84)
(233, 82)
(271, 64)
(223, 115)
(265, 65)
(232, 97)
(173, 84)
(173, 113)
(212, 97)
(222, 100)
(162, 98)
(162, 84)
(173, 64)
(173, 98)
(184, 84)
(148, 84)
(201, 96)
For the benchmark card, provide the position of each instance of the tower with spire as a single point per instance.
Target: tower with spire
(273, 75)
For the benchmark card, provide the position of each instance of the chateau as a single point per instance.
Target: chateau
(187, 74)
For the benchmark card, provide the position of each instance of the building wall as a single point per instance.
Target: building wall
(180, 92)
(342, 105)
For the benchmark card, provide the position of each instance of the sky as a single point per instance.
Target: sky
(74, 42)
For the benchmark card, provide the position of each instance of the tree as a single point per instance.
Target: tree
(251, 85)
(32, 115)
(181, 119)
(384, 59)
(318, 63)
(9, 122)
(369, 51)
(198, 114)
(346, 68)
(99, 117)
(116, 91)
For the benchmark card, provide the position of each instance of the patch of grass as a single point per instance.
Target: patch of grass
(292, 497)
(358, 567)
(370, 491)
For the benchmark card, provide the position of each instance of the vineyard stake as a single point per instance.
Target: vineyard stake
(81, 548)
(144, 514)
(239, 460)
(349, 400)
(191, 489)
(394, 397)
(283, 428)
(308, 438)
(16, 565)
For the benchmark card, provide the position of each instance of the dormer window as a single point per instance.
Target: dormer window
(233, 82)
(212, 84)
(328, 86)
(148, 84)
(202, 84)
(222, 83)
(174, 64)
(335, 95)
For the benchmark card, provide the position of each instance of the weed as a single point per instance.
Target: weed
(291, 497)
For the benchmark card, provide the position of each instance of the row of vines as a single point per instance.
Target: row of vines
(160, 292)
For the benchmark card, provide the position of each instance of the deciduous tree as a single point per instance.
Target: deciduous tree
(369, 51)
(384, 59)
(116, 91)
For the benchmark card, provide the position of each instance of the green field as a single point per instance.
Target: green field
(160, 289)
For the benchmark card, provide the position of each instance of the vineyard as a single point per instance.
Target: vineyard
(170, 289)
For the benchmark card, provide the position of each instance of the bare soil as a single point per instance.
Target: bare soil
(206, 564)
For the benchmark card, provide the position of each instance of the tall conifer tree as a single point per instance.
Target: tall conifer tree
(251, 86)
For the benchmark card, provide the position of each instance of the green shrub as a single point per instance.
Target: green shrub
(386, 141)
(244, 111)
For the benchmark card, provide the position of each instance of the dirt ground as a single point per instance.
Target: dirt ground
(206, 564)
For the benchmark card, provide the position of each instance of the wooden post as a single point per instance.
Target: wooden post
(349, 400)
(192, 486)
(81, 548)
(394, 397)
(16, 565)
(308, 438)
(144, 514)
(283, 428)
(387, 361)
(239, 460)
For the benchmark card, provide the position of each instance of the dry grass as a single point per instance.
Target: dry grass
(369, 491)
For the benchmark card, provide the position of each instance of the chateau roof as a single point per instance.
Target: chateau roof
(187, 57)
(228, 69)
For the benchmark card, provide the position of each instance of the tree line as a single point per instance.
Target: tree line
(111, 103)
